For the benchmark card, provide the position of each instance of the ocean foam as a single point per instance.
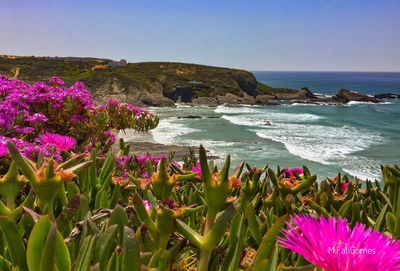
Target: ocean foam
(269, 118)
(367, 103)
(168, 131)
(318, 143)
(224, 109)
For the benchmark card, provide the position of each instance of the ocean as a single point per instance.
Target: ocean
(353, 139)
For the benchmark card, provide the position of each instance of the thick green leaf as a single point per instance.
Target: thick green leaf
(85, 254)
(254, 225)
(345, 208)
(22, 163)
(5, 265)
(143, 215)
(212, 238)
(131, 252)
(15, 244)
(47, 262)
(105, 246)
(101, 200)
(120, 218)
(206, 175)
(190, 234)
(37, 245)
(233, 256)
(107, 168)
(378, 224)
(390, 221)
(268, 242)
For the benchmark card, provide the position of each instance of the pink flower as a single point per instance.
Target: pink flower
(3, 149)
(147, 205)
(123, 161)
(36, 118)
(24, 130)
(56, 81)
(77, 118)
(113, 102)
(60, 142)
(344, 187)
(197, 169)
(332, 245)
(289, 172)
(110, 136)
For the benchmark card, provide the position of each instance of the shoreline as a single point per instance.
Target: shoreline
(141, 144)
(301, 97)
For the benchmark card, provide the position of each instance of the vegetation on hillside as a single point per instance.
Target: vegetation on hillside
(64, 206)
(203, 80)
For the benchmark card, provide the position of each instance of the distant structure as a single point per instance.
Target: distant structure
(100, 67)
(120, 63)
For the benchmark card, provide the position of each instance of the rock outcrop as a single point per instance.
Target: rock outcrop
(387, 96)
(345, 96)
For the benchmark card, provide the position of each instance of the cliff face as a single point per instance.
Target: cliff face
(141, 83)
(150, 83)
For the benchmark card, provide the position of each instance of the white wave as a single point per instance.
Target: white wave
(323, 95)
(361, 167)
(305, 104)
(245, 120)
(168, 131)
(224, 109)
(182, 105)
(357, 102)
(322, 144)
(270, 118)
(368, 103)
(363, 174)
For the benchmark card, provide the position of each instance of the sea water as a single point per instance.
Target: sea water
(354, 139)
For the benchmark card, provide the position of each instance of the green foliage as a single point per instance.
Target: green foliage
(176, 220)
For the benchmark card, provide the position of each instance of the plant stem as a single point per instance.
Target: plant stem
(206, 254)
(210, 219)
(49, 209)
(204, 260)
(63, 197)
(11, 203)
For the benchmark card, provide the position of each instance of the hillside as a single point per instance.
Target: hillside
(149, 83)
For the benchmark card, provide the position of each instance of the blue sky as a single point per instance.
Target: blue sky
(316, 35)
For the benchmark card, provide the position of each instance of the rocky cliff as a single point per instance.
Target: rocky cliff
(150, 83)
(161, 83)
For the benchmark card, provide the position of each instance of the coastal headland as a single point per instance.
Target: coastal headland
(166, 83)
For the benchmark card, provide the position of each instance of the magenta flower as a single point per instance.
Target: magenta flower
(26, 148)
(36, 118)
(77, 118)
(147, 205)
(154, 159)
(3, 149)
(289, 172)
(55, 80)
(123, 161)
(60, 142)
(110, 136)
(24, 130)
(197, 169)
(332, 245)
(113, 102)
(344, 187)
